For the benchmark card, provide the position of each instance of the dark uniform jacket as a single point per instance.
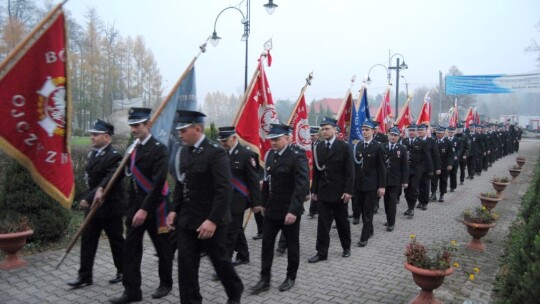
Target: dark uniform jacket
(446, 152)
(380, 138)
(461, 145)
(337, 171)
(286, 183)
(475, 144)
(419, 156)
(397, 164)
(151, 159)
(99, 170)
(204, 189)
(370, 166)
(243, 163)
(435, 157)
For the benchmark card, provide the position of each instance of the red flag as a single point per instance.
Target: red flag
(344, 117)
(425, 113)
(35, 107)
(469, 118)
(300, 134)
(257, 115)
(384, 114)
(454, 119)
(405, 119)
(476, 116)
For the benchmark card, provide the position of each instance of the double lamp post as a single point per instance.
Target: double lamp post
(397, 68)
(246, 19)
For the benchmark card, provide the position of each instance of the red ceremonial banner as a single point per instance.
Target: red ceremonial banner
(344, 119)
(425, 113)
(300, 134)
(405, 119)
(36, 109)
(257, 115)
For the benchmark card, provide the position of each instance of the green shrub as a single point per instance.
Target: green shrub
(78, 132)
(47, 217)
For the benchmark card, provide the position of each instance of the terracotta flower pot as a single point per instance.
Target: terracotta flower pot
(11, 243)
(521, 162)
(489, 202)
(499, 187)
(515, 173)
(477, 231)
(427, 280)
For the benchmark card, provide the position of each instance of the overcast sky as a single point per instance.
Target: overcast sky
(335, 39)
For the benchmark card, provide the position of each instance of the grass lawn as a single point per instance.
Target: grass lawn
(80, 141)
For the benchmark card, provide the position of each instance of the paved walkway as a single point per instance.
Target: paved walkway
(373, 274)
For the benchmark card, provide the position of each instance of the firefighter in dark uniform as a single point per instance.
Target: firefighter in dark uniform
(488, 147)
(370, 178)
(446, 152)
(382, 139)
(100, 167)
(474, 150)
(481, 139)
(419, 163)
(427, 177)
(201, 204)
(332, 188)
(314, 134)
(397, 175)
(146, 211)
(458, 144)
(246, 194)
(284, 189)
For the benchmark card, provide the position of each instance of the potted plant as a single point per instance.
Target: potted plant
(521, 160)
(499, 184)
(515, 170)
(14, 230)
(429, 267)
(489, 199)
(478, 222)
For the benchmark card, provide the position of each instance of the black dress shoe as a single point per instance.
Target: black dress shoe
(238, 262)
(451, 189)
(125, 299)
(258, 236)
(160, 292)
(356, 221)
(286, 285)
(386, 224)
(346, 253)
(390, 228)
(362, 243)
(78, 282)
(441, 199)
(281, 250)
(433, 196)
(316, 258)
(215, 277)
(424, 207)
(461, 183)
(311, 215)
(376, 209)
(409, 212)
(260, 286)
(117, 278)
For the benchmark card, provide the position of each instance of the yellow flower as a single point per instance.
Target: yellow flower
(454, 243)
(476, 269)
(484, 208)
(412, 236)
(471, 277)
(456, 265)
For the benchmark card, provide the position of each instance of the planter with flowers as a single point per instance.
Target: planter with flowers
(521, 160)
(499, 184)
(429, 267)
(478, 222)
(489, 199)
(14, 230)
(515, 170)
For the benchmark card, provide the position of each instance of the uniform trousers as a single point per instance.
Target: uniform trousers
(434, 180)
(485, 161)
(313, 207)
(271, 227)
(390, 203)
(89, 243)
(366, 200)
(471, 165)
(236, 239)
(133, 252)
(189, 249)
(412, 191)
(327, 213)
(443, 180)
(423, 189)
(479, 161)
(259, 221)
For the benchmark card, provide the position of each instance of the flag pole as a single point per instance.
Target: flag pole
(403, 109)
(302, 91)
(112, 181)
(246, 96)
(344, 101)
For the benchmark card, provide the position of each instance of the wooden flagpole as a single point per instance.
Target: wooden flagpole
(124, 161)
(344, 101)
(403, 110)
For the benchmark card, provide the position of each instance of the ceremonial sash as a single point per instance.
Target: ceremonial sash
(239, 186)
(145, 184)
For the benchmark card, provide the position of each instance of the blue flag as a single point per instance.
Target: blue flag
(359, 116)
(185, 98)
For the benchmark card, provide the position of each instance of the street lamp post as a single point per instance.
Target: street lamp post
(246, 19)
(406, 85)
(368, 80)
(398, 67)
